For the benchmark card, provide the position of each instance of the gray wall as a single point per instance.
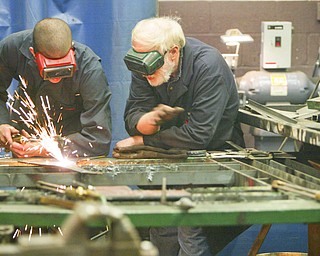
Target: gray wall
(207, 20)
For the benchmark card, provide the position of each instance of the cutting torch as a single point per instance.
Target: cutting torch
(23, 139)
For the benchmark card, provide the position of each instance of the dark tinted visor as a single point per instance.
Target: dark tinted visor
(145, 63)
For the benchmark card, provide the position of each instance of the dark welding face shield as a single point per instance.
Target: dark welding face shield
(145, 63)
(56, 68)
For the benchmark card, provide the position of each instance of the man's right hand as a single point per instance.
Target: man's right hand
(28, 149)
(150, 122)
(6, 132)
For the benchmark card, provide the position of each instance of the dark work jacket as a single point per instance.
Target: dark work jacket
(79, 106)
(206, 90)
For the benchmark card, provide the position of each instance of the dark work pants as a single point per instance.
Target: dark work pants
(193, 241)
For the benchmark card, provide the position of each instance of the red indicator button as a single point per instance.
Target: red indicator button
(277, 41)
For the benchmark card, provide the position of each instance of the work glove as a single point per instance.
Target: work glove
(164, 113)
(147, 152)
(150, 122)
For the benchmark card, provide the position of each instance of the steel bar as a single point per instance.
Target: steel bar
(265, 111)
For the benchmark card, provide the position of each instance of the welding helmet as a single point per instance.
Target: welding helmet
(145, 63)
(56, 68)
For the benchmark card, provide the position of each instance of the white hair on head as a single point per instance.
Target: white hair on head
(161, 33)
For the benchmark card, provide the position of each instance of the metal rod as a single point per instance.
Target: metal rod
(164, 191)
(311, 193)
(263, 110)
(283, 143)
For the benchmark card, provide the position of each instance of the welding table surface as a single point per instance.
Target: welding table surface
(152, 213)
(109, 171)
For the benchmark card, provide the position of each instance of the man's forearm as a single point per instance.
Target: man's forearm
(147, 125)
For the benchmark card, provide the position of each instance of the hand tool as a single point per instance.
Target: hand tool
(70, 192)
(22, 139)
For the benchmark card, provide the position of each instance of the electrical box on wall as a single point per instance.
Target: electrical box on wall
(276, 44)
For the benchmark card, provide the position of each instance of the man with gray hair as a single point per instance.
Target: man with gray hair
(182, 95)
(69, 75)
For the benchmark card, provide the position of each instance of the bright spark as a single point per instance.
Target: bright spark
(60, 231)
(30, 233)
(33, 231)
(16, 233)
(46, 133)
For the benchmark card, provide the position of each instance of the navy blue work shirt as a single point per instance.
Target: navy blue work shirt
(80, 105)
(205, 89)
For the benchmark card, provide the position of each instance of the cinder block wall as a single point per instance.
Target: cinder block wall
(207, 20)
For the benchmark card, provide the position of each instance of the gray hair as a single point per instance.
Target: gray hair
(161, 33)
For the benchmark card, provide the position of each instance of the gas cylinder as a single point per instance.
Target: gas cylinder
(285, 87)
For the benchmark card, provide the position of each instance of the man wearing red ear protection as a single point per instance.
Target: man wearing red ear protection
(69, 76)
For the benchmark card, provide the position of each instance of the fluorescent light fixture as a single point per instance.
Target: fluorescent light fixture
(234, 37)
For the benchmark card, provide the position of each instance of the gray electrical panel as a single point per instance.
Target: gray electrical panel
(276, 44)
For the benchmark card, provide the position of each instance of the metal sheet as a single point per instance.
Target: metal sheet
(294, 131)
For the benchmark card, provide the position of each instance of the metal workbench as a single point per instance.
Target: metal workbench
(225, 191)
(234, 192)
